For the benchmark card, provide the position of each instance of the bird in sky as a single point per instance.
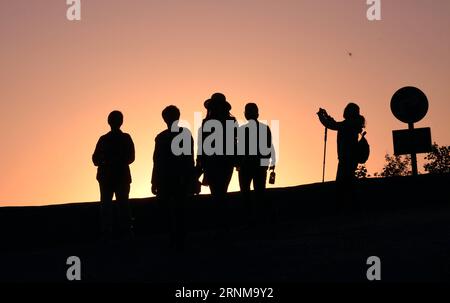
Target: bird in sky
(350, 54)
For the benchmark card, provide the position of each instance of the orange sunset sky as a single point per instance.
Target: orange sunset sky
(60, 79)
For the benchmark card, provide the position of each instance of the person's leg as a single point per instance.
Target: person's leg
(179, 232)
(259, 180)
(163, 203)
(106, 208)
(351, 179)
(219, 179)
(340, 174)
(228, 174)
(244, 184)
(218, 176)
(171, 208)
(225, 205)
(344, 183)
(211, 176)
(259, 185)
(244, 180)
(170, 201)
(340, 201)
(123, 207)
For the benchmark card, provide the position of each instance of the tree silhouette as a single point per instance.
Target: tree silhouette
(395, 166)
(439, 160)
(361, 172)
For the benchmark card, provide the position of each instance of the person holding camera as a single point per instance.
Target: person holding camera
(348, 132)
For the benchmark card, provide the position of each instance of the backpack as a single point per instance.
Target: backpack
(363, 149)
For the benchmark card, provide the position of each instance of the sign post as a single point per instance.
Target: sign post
(410, 105)
(415, 171)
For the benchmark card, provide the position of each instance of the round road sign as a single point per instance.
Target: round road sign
(409, 104)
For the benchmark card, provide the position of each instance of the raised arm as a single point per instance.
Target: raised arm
(273, 154)
(327, 120)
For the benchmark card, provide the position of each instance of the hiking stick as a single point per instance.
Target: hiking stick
(324, 154)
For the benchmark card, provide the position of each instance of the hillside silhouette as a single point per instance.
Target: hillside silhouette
(302, 237)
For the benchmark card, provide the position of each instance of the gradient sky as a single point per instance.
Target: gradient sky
(60, 79)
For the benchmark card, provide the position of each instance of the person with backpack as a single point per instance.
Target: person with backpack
(348, 145)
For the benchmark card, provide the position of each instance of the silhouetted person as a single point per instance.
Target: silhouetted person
(173, 173)
(257, 155)
(113, 155)
(199, 168)
(347, 146)
(218, 167)
(217, 164)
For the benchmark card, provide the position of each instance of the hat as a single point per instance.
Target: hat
(218, 100)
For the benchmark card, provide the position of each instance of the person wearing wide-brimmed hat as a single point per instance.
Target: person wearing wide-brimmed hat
(218, 169)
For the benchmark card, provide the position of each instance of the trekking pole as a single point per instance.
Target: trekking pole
(324, 154)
